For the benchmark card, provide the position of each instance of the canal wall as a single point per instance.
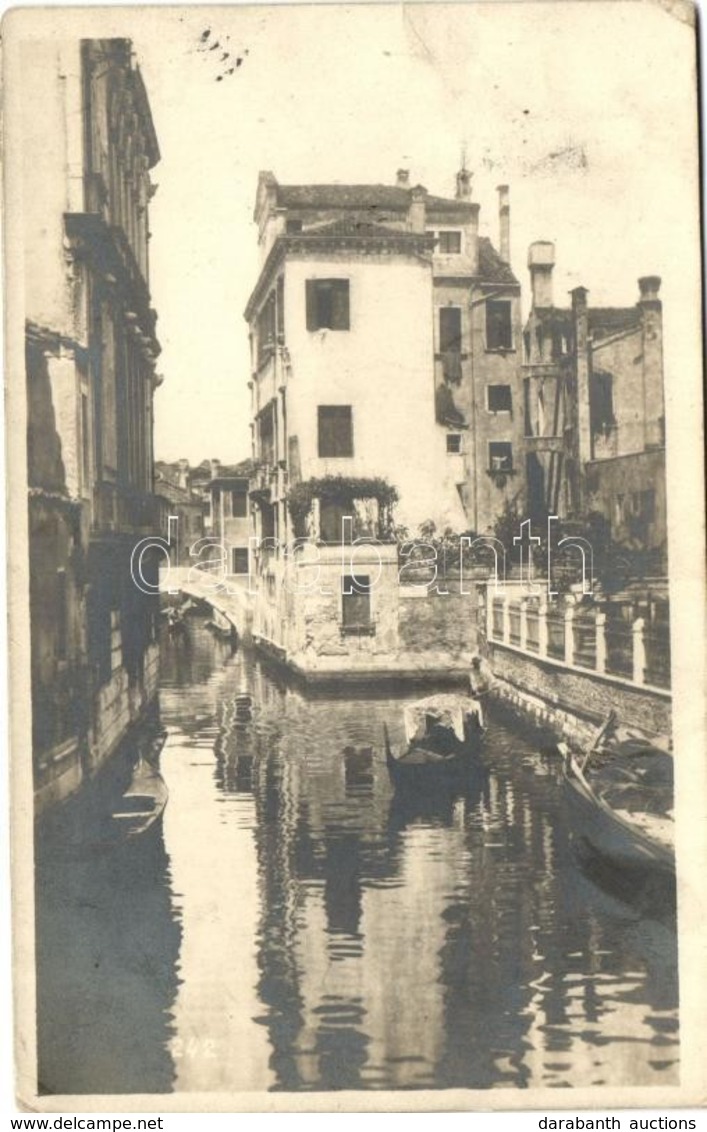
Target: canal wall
(119, 707)
(573, 704)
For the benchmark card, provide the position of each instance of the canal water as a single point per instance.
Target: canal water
(304, 927)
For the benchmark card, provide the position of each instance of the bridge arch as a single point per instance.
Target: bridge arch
(228, 598)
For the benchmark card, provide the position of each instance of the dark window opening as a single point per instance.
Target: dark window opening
(332, 528)
(239, 560)
(499, 332)
(266, 429)
(648, 505)
(335, 430)
(450, 329)
(328, 304)
(293, 226)
(266, 328)
(356, 603)
(499, 398)
(601, 403)
(62, 616)
(450, 243)
(526, 407)
(268, 522)
(500, 456)
(239, 504)
(280, 291)
(526, 344)
(454, 443)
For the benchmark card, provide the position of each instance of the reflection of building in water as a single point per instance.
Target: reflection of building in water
(108, 941)
(401, 949)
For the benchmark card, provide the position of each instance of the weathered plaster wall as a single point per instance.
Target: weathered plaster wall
(53, 157)
(430, 620)
(388, 350)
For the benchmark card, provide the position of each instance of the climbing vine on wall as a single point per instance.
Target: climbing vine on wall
(343, 490)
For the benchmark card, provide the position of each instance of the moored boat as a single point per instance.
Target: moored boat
(442, 734)
(620, 802)
(137, 815)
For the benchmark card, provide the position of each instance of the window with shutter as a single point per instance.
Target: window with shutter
(327, 304)
(499, 331)
(239, 504)
(454, 443)
(356, 603)
(450, 329)
(450, 243)
(335, 431)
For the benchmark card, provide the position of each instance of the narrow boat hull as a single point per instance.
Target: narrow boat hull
(136, 818)
(607, 834)
(419, 764)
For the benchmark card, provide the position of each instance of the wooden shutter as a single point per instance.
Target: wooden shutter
(340, 304)
(312, 321)
(335, 430)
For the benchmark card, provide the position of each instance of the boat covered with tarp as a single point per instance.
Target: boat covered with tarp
(442, 733)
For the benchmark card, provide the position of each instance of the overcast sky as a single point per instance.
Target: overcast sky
(587, 110)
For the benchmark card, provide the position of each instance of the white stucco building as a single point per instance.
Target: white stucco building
(384, 335)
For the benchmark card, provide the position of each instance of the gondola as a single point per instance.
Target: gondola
(443, 738)
(137, 816)
(620, 804)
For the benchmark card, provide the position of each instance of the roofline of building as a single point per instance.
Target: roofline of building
(411, 243)
(146, 115)
(217, 480)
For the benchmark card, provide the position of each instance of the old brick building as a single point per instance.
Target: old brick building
(594, 407)
(91, 350)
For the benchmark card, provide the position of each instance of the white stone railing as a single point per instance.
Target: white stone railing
(612, 639)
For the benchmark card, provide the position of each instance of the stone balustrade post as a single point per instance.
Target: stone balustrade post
(524, 624)
(542, 626)
(506, 618)
(639, 651)
(569, 630)
(600, 630)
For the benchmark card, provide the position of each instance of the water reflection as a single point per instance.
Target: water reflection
(337, 934)
(107, 940)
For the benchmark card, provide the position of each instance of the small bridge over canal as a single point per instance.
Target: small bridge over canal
(228, 598)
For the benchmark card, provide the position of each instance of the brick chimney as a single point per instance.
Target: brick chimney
(649, 286)
(584, 448)
(463, 185)
(541, 260)
(651, 310)
(402, 178)
(183, 475)
(215, 468)
(504, 223)
(418, 209)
